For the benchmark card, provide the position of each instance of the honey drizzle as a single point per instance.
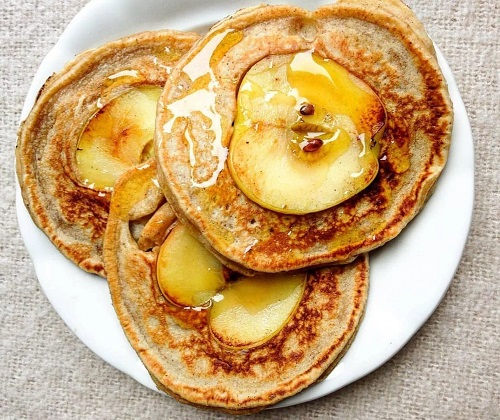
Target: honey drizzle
(201, 99)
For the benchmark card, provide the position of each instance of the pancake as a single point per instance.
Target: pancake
(387, 49)
(398, 11)
(71, 211)
(175, 343)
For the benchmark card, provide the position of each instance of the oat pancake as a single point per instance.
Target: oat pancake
(398, 11)
(386, 48)
(175, 343)
(71, 211)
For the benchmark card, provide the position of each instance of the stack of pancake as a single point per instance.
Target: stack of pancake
(351, 85)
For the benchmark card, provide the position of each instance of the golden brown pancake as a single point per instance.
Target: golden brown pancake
(381, 46)
(72, 214)
(176, 345)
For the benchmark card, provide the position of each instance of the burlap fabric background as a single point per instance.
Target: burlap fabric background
(449, 370)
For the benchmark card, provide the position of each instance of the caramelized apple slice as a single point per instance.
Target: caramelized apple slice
(188, 274)
(305, 136)
(243, 313)
(117, 137)
(253, 310)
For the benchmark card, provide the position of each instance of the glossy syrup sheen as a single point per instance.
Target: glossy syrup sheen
(198, 105)
(314, 77)
(253, 310)
(270, 156)
(133, 189)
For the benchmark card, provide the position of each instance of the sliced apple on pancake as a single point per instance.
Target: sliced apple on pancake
(237, 344)
(119, 136)
(290, 138)
(305, 134)
(244, 312)
(188, 274)
(252, 310)
(90, 122)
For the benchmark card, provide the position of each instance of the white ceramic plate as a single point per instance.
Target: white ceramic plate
(409, 276)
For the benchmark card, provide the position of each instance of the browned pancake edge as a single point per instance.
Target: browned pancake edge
(72, 215)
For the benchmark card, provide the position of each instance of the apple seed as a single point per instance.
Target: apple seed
(306, 109)
(312, 145)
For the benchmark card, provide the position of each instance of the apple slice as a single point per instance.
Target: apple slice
(117, 137)
(243, 313)
(306, 134)
(253, 310)
(188, 274)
